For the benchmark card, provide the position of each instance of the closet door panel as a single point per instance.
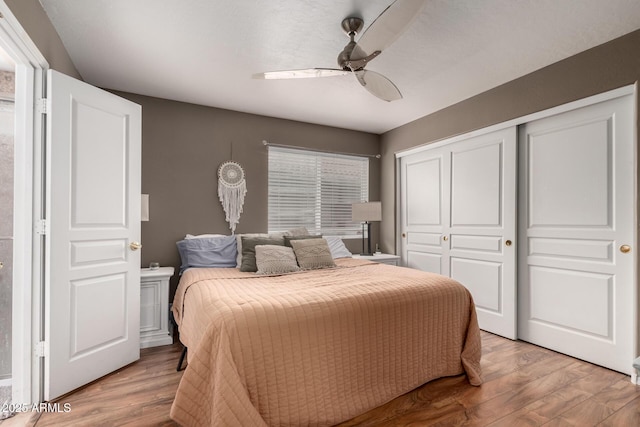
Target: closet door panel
(425, 199)
(476, 198)
(424, 261)
(458, 219)
(575, 188)
(425, 189)
(482, 227)
(483, 279)
(577, 281)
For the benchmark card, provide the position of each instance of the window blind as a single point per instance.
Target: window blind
(315, 190)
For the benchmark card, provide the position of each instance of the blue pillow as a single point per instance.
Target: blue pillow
(208, 252)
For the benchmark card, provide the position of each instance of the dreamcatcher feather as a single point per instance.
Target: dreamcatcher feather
(232, 188)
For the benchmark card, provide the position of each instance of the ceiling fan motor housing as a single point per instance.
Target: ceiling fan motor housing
(351, 26)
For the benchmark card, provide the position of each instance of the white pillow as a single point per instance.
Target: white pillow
(202, 236)
(337, 247)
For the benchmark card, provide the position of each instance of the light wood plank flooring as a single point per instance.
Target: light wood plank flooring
(524, 385)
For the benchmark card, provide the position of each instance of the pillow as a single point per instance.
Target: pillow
(337, 247)
(275, 259)
(239, 244)
(312, 253)
(288, 239)
(200, 236)
(207, 252)
(249, 250)
(300, 231)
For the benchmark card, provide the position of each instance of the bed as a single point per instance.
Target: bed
(316, 347)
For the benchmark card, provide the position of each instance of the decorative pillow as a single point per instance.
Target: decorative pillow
(337, 247)
(249, 250)
(275, 259)
(239, 244)
(207, 252)
(288, 239)
(312, 253)
(301, 231)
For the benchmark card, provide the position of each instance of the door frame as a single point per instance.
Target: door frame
(30, 70)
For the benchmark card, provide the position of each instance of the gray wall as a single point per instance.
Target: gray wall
(182, 147)
(36, 23)
(605, 67)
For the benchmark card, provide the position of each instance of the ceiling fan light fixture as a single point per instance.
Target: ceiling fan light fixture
(300, 74)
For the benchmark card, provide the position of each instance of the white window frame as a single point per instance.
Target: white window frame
(343, 213)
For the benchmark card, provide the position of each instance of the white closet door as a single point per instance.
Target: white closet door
(458, 216)
(425, 209)
(576, 279)
(93, 204)
(482, 226)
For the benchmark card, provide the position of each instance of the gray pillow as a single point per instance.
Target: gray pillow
(249, 250)
(275, 259)
(288, 239)
(312, 253)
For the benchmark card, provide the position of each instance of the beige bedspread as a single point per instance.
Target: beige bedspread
(316, 347)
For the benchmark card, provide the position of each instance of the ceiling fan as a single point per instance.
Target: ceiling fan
(386, 28)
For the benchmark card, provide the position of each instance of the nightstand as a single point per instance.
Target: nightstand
(154, 307)
(381, 258)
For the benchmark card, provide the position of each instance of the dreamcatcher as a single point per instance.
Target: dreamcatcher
(232, 188)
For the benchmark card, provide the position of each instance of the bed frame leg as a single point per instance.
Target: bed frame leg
(184, 353)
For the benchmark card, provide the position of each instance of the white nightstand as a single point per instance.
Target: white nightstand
(154, 307)
(381, 258)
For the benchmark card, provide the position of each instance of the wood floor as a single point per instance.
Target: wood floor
(524, 385)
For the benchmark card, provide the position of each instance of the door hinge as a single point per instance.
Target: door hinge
(42, 349)
(42, 106)
(42, 227)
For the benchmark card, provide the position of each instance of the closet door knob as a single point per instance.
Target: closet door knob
(445, 238)
(508, 243)
(1, 265)
(625, 249)
(135, 246)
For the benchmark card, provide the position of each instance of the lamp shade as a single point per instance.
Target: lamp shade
(367, 211)
(144, 207)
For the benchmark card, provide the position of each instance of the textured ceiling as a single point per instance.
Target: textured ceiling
(205, 51)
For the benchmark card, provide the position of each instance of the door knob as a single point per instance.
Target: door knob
(1, 265)
(404, 234)
(445, 238)
(625, 249)
(135, 246)
(508, 243)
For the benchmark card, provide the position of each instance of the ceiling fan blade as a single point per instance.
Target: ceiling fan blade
(301, 74)
(378, 85)
(387, 27)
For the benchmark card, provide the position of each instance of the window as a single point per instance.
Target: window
(315, 190)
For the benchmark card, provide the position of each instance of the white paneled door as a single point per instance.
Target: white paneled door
(459, 220)
(576, 279)
(425, 206)
(93, 207)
